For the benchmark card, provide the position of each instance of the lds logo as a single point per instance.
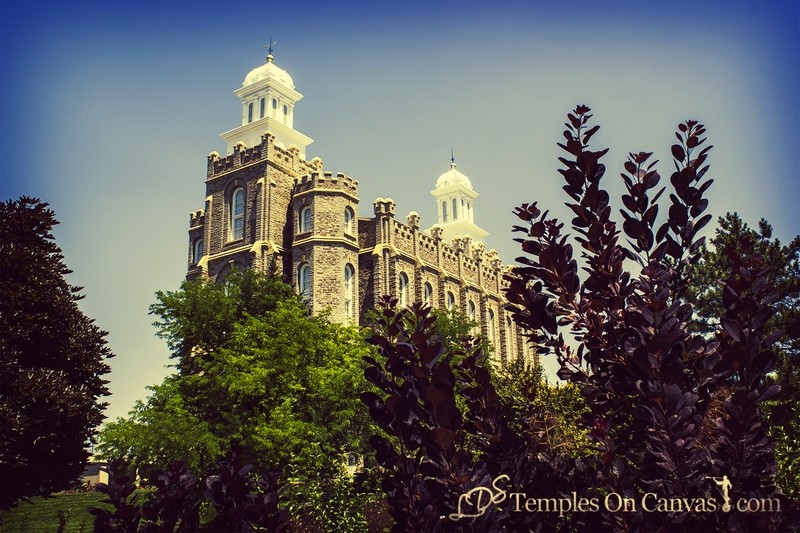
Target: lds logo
(725, 486)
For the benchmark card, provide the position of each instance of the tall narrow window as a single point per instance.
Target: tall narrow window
(304, 281)
(348, 220)
(451, 300)
(476, 329)
(285, 110)
(305, 220)
(492, 334)
(250, 112)
(349, 275)
(455, 216)
(428, 294)
(509, 338)
(198, 251)
(237, 214)
(403, 289)
(444, 211)
(263, 106)
(274, 104)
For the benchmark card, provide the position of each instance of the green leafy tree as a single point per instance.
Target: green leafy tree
(550, 414)
(517, 383)
(254, 368)
(159, 432)
(200, 317)
(733, 237)
(735, 241)
(455, 327)
(284, 381)
(53, 360)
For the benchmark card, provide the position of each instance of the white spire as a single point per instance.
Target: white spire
(455, 200)
(268, 99)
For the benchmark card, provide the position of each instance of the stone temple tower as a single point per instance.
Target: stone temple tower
(325, 243)
(266, 205)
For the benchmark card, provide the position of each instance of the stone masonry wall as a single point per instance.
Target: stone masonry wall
(278, 184)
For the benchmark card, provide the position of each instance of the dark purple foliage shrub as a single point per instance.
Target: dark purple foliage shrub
(672, 413)
(242, 503)
(435, 453)
(127, 513)
(175, 505)
(426, 464)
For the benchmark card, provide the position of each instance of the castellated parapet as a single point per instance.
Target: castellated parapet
(326, 181)
(197, 218)
(287, 158)
(267, 206)
(304, 220)
(398, 259)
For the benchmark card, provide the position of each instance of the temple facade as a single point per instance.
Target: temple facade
(267, 206)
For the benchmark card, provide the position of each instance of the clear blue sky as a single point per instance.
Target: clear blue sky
(108, 111)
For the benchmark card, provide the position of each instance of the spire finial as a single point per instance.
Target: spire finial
(452, 159)
(269, 48)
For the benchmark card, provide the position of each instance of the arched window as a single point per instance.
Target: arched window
(285, 110)
(225, 271)
(403, 289)
(263, 106)
(250, 112)
(491, 333)
(237, 214)
(509, 338)
(471, 313)
(305, 220)
(274, 104)
(455, 216)
(444, 211)
(197, 253)
(349, 282)
(427, 294)
(451, 300)
(348, 220)
(304, 281)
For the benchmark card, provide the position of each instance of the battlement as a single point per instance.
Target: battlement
(303, 220)
(327, 181)
(448, 252)
(403, 231)
(197, 218)
(384, 206)
(427, 242)
(242, 155)
(463, 255)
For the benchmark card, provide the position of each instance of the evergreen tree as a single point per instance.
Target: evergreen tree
(733, 242)
(52, 360)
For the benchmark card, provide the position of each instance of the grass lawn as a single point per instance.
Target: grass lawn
(42, 515)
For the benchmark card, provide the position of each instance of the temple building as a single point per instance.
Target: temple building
(267, 204)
